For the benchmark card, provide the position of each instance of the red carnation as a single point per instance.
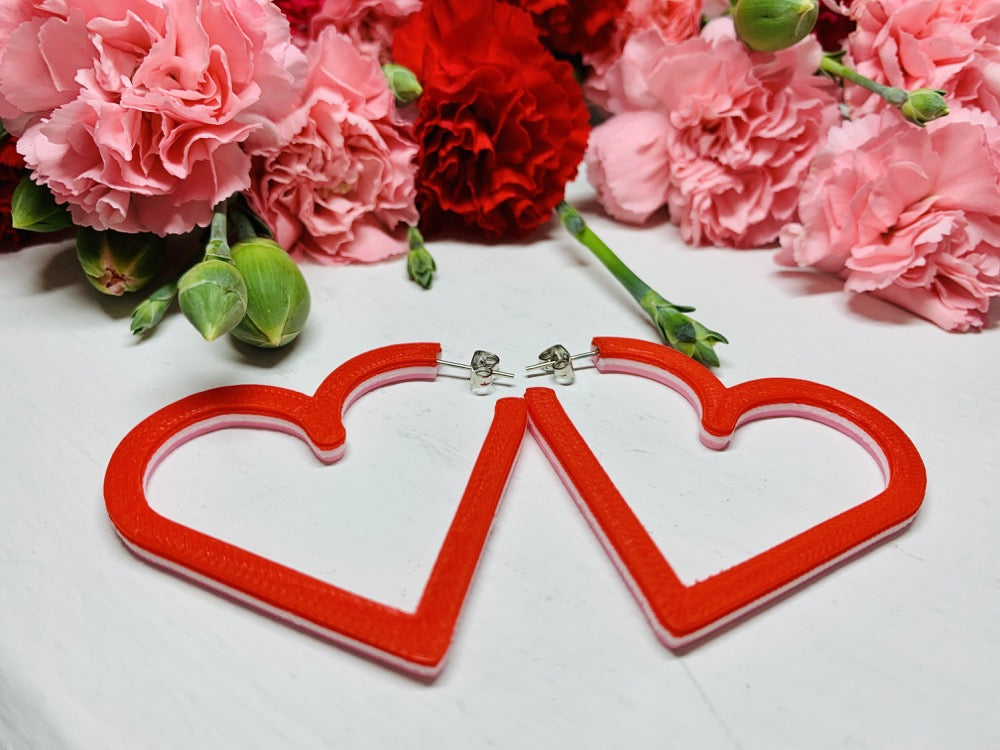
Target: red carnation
(11, 172)
(502, 125)
(832, 27)
(574, 26)
(299, 13)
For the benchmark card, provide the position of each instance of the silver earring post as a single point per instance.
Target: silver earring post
(482, 369)
(559, 362)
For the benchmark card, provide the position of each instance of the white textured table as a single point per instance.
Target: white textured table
(898, 648)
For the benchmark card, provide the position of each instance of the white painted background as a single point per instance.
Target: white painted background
(899, 648)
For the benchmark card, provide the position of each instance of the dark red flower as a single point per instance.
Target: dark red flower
(832, 28)
(573, 27)
(11, 171)
(502, 125)
(299, 13)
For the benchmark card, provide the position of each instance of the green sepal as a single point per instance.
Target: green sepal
(33, 209)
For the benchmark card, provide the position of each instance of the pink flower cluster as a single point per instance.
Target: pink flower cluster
(343, 186)
(721, 135)
(907, 214)
(141, 116)
(904, 213)
(950, 45)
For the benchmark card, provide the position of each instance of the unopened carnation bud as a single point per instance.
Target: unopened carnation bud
(924, 105)
(33, 209)
(402, 83)
(420, 265)
(277, 295)
(213, 296)
(771, 25)
(116, 263)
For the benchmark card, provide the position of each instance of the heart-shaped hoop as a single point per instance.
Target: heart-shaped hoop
(415, 642)
(681, 614)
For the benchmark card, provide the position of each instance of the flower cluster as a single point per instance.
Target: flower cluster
(344, 130)
(750, 148)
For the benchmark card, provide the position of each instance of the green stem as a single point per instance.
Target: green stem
(577, 227)
(245, 228)
(676, 329)
(218, 241)
(895, 96)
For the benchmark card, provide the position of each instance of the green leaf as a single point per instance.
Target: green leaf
(33, 209)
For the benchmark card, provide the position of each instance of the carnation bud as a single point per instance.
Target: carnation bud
(403, 83)
(681, 332)
(924, 105)
(116, 263)
(771, 25)
(213, 296)
(33, 209)
(277, 295)
(151, 310)
(420, 265)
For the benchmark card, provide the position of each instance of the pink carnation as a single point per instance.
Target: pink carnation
(370, 24)
(907, 214)
(677, 20)
(735, 134)
(342, 188)
(940, 44)
(140, 115)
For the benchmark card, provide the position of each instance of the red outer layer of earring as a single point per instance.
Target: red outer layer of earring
(681, 614)
(415, 642)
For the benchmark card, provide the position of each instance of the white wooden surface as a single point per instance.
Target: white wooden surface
(899, 648)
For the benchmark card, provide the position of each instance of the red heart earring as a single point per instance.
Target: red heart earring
(681, 614)
(417, 641)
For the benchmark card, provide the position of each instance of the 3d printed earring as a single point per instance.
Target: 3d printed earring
(681, 614)
(416, 642)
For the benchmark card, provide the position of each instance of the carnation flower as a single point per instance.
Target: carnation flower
(734, 136)
(571, 27)
(340, 190)
(141, 115)
(677, 20)
(907, 213)
(928, 44)
(371, 24)
(502, 125)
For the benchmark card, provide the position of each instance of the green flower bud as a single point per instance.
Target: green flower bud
(151, 310)
(278, 298)
(924, 105)
(116, 263)
(33, 209)
(771, 25)
(213, 296)
(420, 265)
(681, 332)
(402, 83)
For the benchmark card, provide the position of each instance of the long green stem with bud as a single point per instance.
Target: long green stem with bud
(919, 106)
(894, 96)
(676, 329)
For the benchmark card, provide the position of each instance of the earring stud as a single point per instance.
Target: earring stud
(482, 369)
(557, 360)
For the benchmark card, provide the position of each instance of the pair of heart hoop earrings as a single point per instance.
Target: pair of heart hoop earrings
(417, 641)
